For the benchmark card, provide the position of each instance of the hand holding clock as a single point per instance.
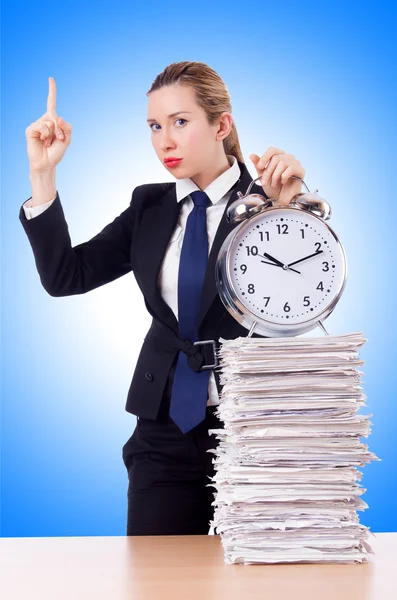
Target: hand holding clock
(276, 167)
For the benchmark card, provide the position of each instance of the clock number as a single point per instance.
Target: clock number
(303, 233)
(243, 268)
(320, 286)
(251, 289)
(267, 235)
(267, 298)
(327, 269)
(253, 250)
(284, 226)
(306, 301)
(287, 308)
(319, 246)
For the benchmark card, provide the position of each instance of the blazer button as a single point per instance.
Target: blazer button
(149, 376)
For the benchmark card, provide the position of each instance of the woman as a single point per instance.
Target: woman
(164, 237)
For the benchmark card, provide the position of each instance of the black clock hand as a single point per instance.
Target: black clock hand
(305, 258)
(278, 264)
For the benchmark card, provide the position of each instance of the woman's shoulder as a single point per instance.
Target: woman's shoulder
(148, 193)
(156, 187)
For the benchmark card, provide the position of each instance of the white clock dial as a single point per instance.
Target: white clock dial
(287, 291)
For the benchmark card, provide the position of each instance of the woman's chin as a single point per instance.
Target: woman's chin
(178, 172)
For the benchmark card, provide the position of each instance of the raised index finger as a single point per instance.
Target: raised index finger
(52, 95)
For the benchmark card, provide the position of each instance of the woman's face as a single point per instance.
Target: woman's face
(186, 135)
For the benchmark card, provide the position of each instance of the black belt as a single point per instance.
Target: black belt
(201, 353)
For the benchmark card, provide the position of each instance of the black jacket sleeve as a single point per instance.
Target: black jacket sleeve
(65, 270)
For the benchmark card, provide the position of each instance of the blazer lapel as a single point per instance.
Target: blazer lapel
(159, 221)
(210, 291)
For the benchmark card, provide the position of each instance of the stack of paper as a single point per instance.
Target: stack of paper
(286, 463)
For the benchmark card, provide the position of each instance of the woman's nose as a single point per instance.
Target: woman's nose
(167, 142)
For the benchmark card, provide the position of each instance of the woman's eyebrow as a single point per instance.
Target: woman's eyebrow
(172, 115)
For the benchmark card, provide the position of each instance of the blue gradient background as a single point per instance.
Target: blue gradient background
(315, 79)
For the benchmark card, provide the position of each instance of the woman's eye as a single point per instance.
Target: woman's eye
(153, 124)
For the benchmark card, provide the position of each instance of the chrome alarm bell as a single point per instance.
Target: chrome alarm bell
(245, 207)
(313, 203)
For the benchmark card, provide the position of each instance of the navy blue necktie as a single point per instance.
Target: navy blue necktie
(190, 388)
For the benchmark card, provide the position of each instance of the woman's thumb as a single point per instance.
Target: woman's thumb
(255, 158)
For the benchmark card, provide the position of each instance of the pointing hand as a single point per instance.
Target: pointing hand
(49, 136)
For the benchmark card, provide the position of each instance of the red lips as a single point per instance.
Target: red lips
(172, 163)
(171, 159)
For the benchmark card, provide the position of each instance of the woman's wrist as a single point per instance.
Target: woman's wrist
(43, 186)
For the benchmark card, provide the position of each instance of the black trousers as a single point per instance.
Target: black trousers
(168, 474)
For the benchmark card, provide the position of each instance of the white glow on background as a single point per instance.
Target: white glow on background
(67, 362)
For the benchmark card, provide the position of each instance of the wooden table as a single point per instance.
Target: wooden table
(191, 567)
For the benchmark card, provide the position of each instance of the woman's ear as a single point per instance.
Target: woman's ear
(225, 124)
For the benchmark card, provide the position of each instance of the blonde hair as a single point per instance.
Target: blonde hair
(210, 91)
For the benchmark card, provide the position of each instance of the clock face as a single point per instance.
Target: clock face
(286, 266)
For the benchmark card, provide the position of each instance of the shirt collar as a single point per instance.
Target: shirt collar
(217, 188)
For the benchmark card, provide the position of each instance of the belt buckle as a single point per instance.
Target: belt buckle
(216, 363)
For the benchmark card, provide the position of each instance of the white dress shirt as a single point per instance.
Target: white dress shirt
(219, 192)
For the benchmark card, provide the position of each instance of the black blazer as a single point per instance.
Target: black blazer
(136, 241)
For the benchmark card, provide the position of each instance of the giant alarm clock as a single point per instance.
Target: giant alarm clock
(282, 269)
